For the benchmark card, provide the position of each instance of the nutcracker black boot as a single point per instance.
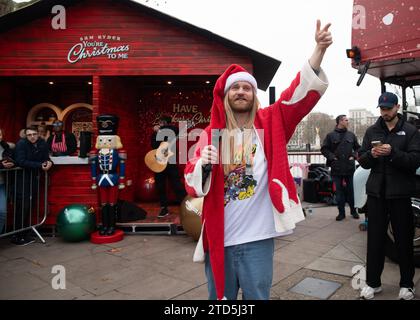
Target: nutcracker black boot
(112, 220)
(105, 222)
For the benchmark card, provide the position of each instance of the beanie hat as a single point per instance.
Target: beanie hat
(240, 76)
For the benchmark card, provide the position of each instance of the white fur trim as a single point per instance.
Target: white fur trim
(240, 76)
(285, 222)
(199, 255)
(308, 81)
(195, 180)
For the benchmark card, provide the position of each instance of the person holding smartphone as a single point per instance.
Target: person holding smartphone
(391, 149)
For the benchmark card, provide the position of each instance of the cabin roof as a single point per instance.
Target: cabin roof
(265, 67)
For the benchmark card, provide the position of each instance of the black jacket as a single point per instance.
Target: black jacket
(392, 176)
(7, 154)
(31, 156)
(338, 147)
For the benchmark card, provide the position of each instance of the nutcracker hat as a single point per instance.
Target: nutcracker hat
(107, 124)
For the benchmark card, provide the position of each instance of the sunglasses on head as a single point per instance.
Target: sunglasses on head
(57, 124)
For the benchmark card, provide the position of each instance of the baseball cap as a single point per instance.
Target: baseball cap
(387, 100)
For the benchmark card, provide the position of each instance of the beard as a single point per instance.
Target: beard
(389, 118)
(241, 105)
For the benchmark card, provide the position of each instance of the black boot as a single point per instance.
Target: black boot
(104, 215)
(340, 217)
(354, 214)
(163, 212)
(112, 220)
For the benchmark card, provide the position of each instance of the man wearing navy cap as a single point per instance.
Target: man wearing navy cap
(391, 149)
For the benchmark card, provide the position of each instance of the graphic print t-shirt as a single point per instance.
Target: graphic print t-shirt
(248, 207)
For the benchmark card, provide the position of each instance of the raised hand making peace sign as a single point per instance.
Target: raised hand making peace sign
(323, 37)
(323, 40)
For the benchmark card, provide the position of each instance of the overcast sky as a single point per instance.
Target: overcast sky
(285, 31)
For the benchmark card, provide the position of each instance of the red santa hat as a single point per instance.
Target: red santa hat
(240, 76)
(232, 74)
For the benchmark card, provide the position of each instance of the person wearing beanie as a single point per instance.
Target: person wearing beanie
(240, 167)
(61, 143)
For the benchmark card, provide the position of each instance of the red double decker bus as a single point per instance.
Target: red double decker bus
(386, 45)
(386, 42)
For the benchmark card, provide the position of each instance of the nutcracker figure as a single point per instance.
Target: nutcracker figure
(108, 170)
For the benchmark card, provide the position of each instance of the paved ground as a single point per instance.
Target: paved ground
(161, 267)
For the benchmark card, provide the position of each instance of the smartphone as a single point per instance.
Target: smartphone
(376, 143)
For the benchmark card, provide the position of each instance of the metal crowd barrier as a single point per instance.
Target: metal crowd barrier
(306, 157)
(26, 194)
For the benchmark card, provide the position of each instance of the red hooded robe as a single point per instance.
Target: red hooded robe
(278, 122)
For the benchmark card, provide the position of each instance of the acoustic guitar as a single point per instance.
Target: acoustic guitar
(157, 159)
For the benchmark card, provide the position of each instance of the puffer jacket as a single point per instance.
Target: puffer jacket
(392, 176)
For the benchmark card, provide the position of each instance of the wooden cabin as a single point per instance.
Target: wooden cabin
(116, 57)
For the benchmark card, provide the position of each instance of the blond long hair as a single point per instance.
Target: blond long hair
(229, 145)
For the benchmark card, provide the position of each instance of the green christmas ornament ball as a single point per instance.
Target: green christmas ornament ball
(76, 222)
